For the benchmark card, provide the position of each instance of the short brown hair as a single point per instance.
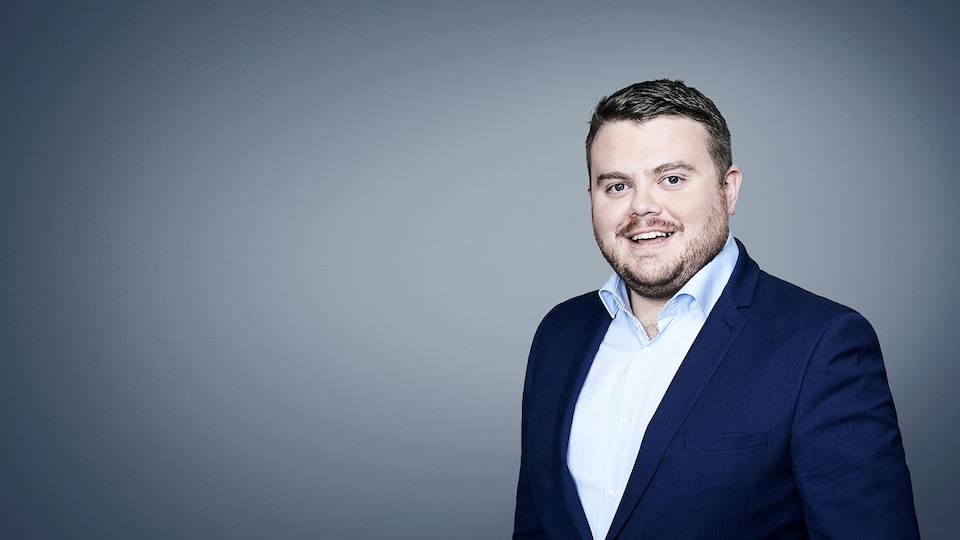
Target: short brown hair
(663, 97)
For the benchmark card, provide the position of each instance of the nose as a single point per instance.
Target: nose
(644, 202)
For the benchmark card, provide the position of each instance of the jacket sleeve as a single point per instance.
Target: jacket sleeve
(526, 523)
(848, 457)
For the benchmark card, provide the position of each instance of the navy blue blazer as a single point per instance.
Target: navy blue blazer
(778, 424)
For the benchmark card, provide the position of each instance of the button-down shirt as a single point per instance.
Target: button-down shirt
(627, 380)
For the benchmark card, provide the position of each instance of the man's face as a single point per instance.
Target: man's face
(659, 211)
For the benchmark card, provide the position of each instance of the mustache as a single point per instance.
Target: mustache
(636, 223)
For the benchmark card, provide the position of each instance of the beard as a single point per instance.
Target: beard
(650, 276)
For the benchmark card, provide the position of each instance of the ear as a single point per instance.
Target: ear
(731, 188)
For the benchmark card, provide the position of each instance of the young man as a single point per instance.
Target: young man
(694, 395)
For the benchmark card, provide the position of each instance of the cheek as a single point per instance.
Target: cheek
(609, 209)
(698, 213)
(604, 220)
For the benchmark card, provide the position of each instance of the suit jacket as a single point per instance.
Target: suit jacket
(778, 424)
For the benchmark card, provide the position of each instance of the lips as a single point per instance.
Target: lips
(650, 235)
(652, 230)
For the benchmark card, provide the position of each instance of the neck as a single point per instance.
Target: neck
(647, 310)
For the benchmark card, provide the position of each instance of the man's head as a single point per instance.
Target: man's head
(659, 199)
(647, 100)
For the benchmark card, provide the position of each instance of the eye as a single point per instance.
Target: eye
(619, 186)
(672, 181)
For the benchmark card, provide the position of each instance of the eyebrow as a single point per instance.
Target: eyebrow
(613, 175)
(674, 166)
(657, 171)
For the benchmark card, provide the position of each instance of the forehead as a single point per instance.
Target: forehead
(651, 143)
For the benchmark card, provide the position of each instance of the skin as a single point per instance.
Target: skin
(658, 177)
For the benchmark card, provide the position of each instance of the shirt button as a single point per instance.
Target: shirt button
(624, 419)
(645, 351)
(608, 493)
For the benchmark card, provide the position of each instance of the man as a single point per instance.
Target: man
(695, 396)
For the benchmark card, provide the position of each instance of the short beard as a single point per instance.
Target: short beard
(667, 280)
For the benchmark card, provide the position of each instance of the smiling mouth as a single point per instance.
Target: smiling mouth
(652, 235)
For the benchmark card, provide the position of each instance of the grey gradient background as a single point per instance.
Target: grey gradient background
(272, 269)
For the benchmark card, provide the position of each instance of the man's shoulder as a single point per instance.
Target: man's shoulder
(584, 304)
(782, 312)
(570, 324)
(768, 293)
(788, 299)
(575, 311)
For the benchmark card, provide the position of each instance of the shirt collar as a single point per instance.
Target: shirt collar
(702, 290)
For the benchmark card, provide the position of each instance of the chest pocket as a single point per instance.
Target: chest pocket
(728, 441)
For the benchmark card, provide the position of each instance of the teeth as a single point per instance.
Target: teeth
(650, 235)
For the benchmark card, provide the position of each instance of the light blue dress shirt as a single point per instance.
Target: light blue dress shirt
(628, 379)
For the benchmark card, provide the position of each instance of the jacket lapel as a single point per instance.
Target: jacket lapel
(717, 335)
(581, 359)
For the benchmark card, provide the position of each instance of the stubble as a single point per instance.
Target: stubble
(650, 277)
